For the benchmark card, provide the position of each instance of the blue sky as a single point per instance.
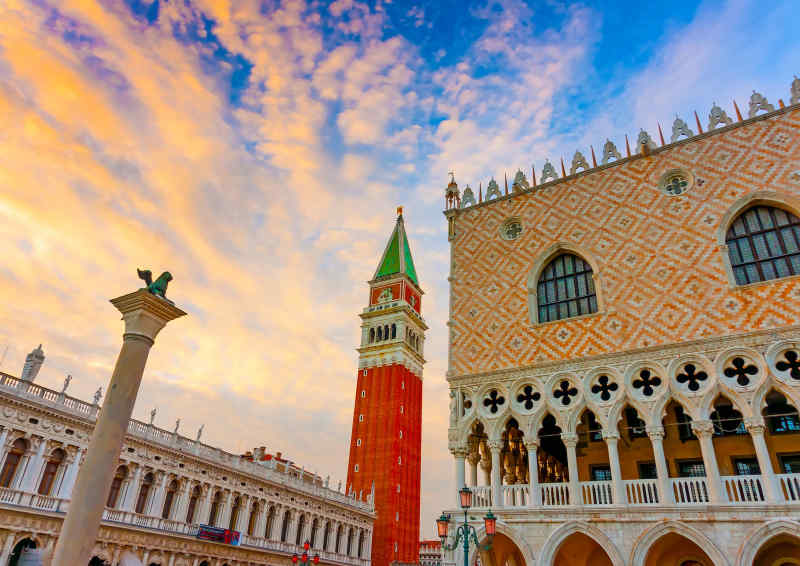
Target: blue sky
(258, 150)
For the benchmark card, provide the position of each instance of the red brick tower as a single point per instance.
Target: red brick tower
(385, 446)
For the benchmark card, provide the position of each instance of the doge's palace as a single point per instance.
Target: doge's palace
(168, 489)
(624, 348)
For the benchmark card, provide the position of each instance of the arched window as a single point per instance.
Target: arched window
(385, 331)
(371, 335)
(270, 522)
(237, 505)
(196, 493)
(13, 458)
(338, 538)
(326, 536)
(380, 333)
(313, 537)
(349, 541)
(301, 523)
(285, 526)
(116, 485)
(144, 491)
(361, 544)
(565, 289)
(251, 523)
(763, 244)
(394, 331)
(212, 516)
(172, 488)
(50, 471)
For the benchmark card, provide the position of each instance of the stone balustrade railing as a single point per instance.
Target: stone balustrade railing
(736, 490)
(57, 505)
(263, 470)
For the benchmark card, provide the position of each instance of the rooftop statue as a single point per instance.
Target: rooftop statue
(157, 287)
(795, 90)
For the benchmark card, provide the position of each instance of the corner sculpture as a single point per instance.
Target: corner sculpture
(157, 287)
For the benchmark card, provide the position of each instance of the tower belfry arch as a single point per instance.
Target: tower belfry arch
(385, 444)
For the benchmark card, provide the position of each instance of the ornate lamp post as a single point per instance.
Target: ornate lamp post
(304, 559)
(466, 531)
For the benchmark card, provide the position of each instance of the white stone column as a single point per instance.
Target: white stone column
(8, 546)
(132, 489)
(771, 487)
(65, 491)
(656, 434)
(179, 507)
(486, 467)
(495, 446)
(144, 315)
(459, 455)
(258, 528)
(618, 488)
(224, 514)
(570, 440)
(3, 440)
(704, 430)
(34, 468)
(201, 516)
(244, 515)
(473, 459)
(156, 503)
(535, 498)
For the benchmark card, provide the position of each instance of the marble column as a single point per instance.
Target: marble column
(65, 491)
(486, 465)
(472, 459)
(8, 546)
(535, 497)
(459, 456)
(3, 440)
(244, 515)
(495, 446)
(665, 496)
(570, 440)
(704, 430)
(34, 468)
(156, 503)
(202, 514)
(179, 507)
(131, 490)
(224, 514)
(756, 429)
(144, 315)
(617, 487)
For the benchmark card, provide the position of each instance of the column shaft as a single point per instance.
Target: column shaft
(497, 488)
(704, 431)
(570, 441)
(65, 491)
(665, 496)
(33, 469)
(618, 488)
(771, 487)
(535, 498)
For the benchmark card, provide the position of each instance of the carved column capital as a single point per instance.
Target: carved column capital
(495, 445)
(655, 432)
(703, 428)
(755, 425)
(459, 451)
(532, 444)
(570, 439)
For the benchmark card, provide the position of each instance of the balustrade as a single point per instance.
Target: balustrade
(482, 496)
(743, 489)
(689, 491)
(790, 486)
(516, 495)
(555, 494)
(597, 492)
(641, 492)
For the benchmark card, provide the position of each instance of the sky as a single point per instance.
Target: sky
(258, 149)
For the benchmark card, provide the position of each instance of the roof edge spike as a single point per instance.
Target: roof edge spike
(660, 134)
(627, 146)
(563, 171)
(594, 159)
(738, 113)
(697, 120)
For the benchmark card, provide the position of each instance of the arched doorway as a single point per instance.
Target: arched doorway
(673, 548)
(781, 550)
(502, 553)
(579, 549)
(19, 548)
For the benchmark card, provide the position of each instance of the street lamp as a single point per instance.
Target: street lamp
(466, 531)
(304, 561)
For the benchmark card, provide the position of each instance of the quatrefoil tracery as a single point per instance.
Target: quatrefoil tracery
(647, 382)
(604, 387)
(565, 391)
(791, 362)
(692, 377)
(528, 397)
(741, 370)
(494, 401)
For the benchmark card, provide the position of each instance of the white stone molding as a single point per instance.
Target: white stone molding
(758, 103)
(643, 544)
(680, 128)
(717, 117)
(548, 173)
(548, 553)
(610, 150)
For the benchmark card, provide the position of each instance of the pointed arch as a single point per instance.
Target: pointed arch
(761, 535)
(646, 540)
(710, 399)
(502, 528)
(562, 533)
(545, 258)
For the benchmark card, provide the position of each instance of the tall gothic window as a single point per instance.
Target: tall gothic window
(566, 289)
(12, 462)
(116, 485)
(251, 523)
(285, 526)
(237, 505)
(144, 491)
(763, 244)
(50, 471)
(169, 498)
(196, 492)
(212, 516)
(270, 522)
(301, 524)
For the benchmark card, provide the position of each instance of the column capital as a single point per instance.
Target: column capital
(531, 444)
(570, 439)
(145, 314)
(459, 451)
(610, 436)
(473, 458)
(703, 428)
(495, 445)
(755, 425)
(655, 432)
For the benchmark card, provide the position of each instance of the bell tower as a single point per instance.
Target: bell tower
(386, 441)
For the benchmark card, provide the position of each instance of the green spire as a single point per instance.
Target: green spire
(397, 255)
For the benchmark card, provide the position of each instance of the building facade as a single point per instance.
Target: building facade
(166, 486)
(385, 444)
(430, 553)
(624, 357)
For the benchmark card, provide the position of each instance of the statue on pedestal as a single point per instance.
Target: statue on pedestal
(157, 287)
(97, 395)
(66, 384)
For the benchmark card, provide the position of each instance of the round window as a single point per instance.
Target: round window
(676, 182)
(511, 229)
